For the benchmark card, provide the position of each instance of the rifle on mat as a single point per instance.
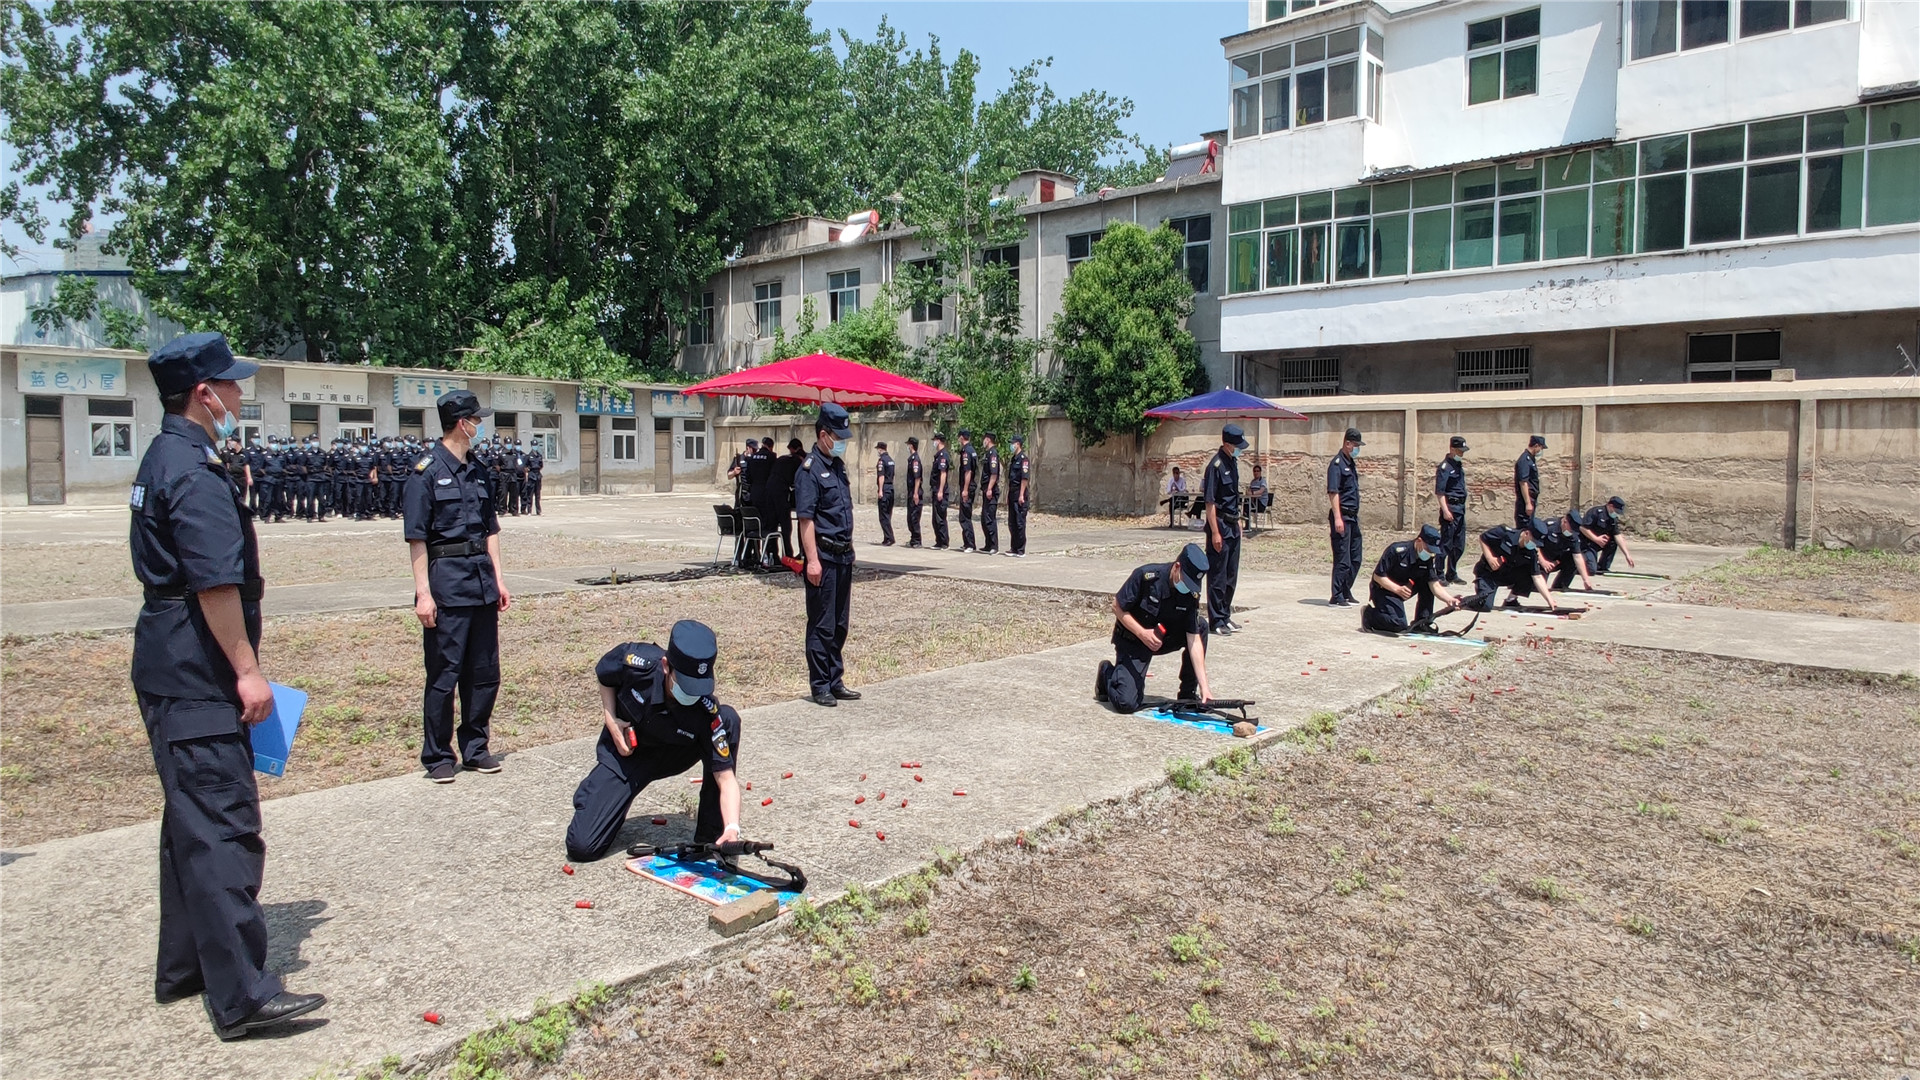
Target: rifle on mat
(1430, 628)
(787, 878)
(1231, 710)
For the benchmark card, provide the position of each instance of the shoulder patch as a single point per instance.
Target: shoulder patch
(138, 497)
(1150, 575)
(421, 465)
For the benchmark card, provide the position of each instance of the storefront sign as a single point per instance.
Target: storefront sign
(524, 397)
(668, 403)
(415, 392)
(603, 402)
(97, 376)
(329, 387)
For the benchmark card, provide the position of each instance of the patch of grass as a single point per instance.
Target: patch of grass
(1664, 536)
(1315, 732)
(493, 1054)
(916, 924)
(784, 999)
(1282, 823)
(1133, 1031)
(1186, 776)
(1910, 948)
(1660, 810)
(1195, 945)
(1261, 1037)
(1235, 764)
(1025, 979)
(1350, 884)
(1201, 1018)
(1366, 755)
(1548, 889)
(1480, 791)
(1638, 925)
(862, 988)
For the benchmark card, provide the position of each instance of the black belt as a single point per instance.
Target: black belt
(451, 551)
(834, 547)
(251, 591)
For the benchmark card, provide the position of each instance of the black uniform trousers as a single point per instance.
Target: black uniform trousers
(601, 802)
(990, 524)
(1521, 519)
(1223, 578)
(1453, 538)
(1346, 553)
(886, 518)
(966, 524)
(1387, 613)
(940, 537)
(913, 522)
(829, 607)
(1127, 682)
(395, 490)
(253, 493)
(1600, 560)
(1487, 582)
(213, 932)
(530, 499)
(1569, 569)
(463, 653)
(1017, 527)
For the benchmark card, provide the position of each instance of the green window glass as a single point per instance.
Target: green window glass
(1353, 245)
(1473, 184)
(1664, 154)
(1835, 185)
(1390, 245)
(1519, 177)
(1243, 263)
(1663, 213)
(1717, 198)
(1243, 218)
(1615, 162)
(1317, 206)
(1273, 104)
(1613, 219)
(1279, 212)
(1282, 259)
(1837, 130)
(1390, 197)
(1433, 191)
(1483, 79)
(1773, 199)
(1519, 230)
(1352, 202)
(1719, 146)
(1523, 70)
(1313, 255)
(1473, 236)
(1893, 185)
(1432, 231)
(1568, 170)
(1894, 121)
(1564, 235)
(1773, 138)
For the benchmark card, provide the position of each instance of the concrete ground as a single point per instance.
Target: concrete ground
(397, 897)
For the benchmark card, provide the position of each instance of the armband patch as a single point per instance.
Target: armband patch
(138, 497)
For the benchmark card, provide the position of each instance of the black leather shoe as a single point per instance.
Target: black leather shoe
(826, 699)
(845, 694)
(282, 1008)
(1100, 680)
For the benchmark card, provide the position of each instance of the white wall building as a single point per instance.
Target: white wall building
(1437, 196)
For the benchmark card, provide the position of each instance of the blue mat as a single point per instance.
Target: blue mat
(1218, 727)
(703, 880)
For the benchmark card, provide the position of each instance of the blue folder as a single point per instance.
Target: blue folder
(273, 737)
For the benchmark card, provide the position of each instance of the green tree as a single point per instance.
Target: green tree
(1120, 336)
(869, 336)
(76, 299)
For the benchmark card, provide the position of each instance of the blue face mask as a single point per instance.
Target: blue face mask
(839, 448)
(682, 696)
(1183, 586)
(1424, 555)
(1531, 546)
(479, 430)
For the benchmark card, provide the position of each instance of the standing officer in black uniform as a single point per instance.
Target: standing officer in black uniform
(393, 482)
(1020, 480)
(969, 487)
(1450, 492)
(366, 473)
(883, 477)
(1221, 489)
(235, 460)
(1155, 613)
(196, 673)
(823, 501)
(659, 718)
(942, 467)
(271, 469)
(1343, 518)
(915, 487)
(299, 488)
(256, 473)
(1526, 481)
(459, 589)
(536, 461)
(990, 495)
(1406, 567)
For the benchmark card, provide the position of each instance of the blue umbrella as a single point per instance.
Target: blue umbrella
(1228, 404)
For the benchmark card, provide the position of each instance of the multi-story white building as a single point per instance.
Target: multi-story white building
(1436, 196)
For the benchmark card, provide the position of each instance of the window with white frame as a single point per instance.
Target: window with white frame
(766, 308)
(546, 435)
(1080, 247)
(625, 439)
(1306, 82)
(1742, 356)
(112, 423)
(843, 294)
(693, 441)
(1660, 27)
(1773, 16)
(1503, 57)
(1196, 235)
(925, 274)
(1312, 376)
(700, 326)
(249, 423)
(1003, 289)
(1280, 9)
(1494, 369)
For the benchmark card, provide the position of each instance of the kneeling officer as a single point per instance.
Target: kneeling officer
(660, 719)
(1407, 568)
(1155, 613)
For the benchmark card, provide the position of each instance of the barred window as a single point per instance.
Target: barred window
(1313, 376)
(1494, 369)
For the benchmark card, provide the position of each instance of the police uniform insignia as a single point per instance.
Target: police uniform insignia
(212, 457)
(444, 481)
(421, 465)
(138, 497)
(703, 668)
(1150, 575)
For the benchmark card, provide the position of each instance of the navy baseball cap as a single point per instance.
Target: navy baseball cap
(1457, 443)
(457, 405)
(191, 359)
(1538, 527)
(1193, 562)
(1232, 436)
(1430, 534)
(834, 418)
(690, 653)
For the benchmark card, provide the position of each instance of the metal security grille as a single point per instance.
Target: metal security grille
(1314, 376)
(1494, 369)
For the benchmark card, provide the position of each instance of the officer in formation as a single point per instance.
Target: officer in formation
(1221, 490)
(1526, 481)
(1155, 613)
(941, 493)
(969, 487)
(823, 503)
(354, 477)
(234, 458)
(1509, 557)
(509, 468)
(1343, 518)
(1407, 567)
(530, 497)
(196, 675)
(659, 719)
(915, 489)
(1450, 496)
(453, 536)
(883, 477)
(1020, 483)
(990, 495)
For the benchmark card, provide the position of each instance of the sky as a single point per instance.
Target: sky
(1163, 54)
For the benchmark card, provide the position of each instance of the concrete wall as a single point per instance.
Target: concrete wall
(1745, 79)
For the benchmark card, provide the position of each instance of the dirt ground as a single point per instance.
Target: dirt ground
(76, 753)
(1562, 861)
(1282, 549)
(1855, 584)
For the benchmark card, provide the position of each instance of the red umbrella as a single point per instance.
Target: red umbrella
(820, 377)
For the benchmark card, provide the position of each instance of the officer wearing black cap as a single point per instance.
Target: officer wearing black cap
(990, 495)
(1600, 532)
(658, 719)
(823, 503)
(1509, 557)
(1155, 613)
(196, 675)
(1343, 518)
(1526, 481)
(1562, 551)
(1020, 484)
(942, 470)
(883, 477)
(969, 488)
(1405, 568)
(1220, 488)
(459, 589)
(1450, 492)
(915, 491)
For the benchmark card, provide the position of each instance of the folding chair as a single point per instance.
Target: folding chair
(752, 535)
(728, 519)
